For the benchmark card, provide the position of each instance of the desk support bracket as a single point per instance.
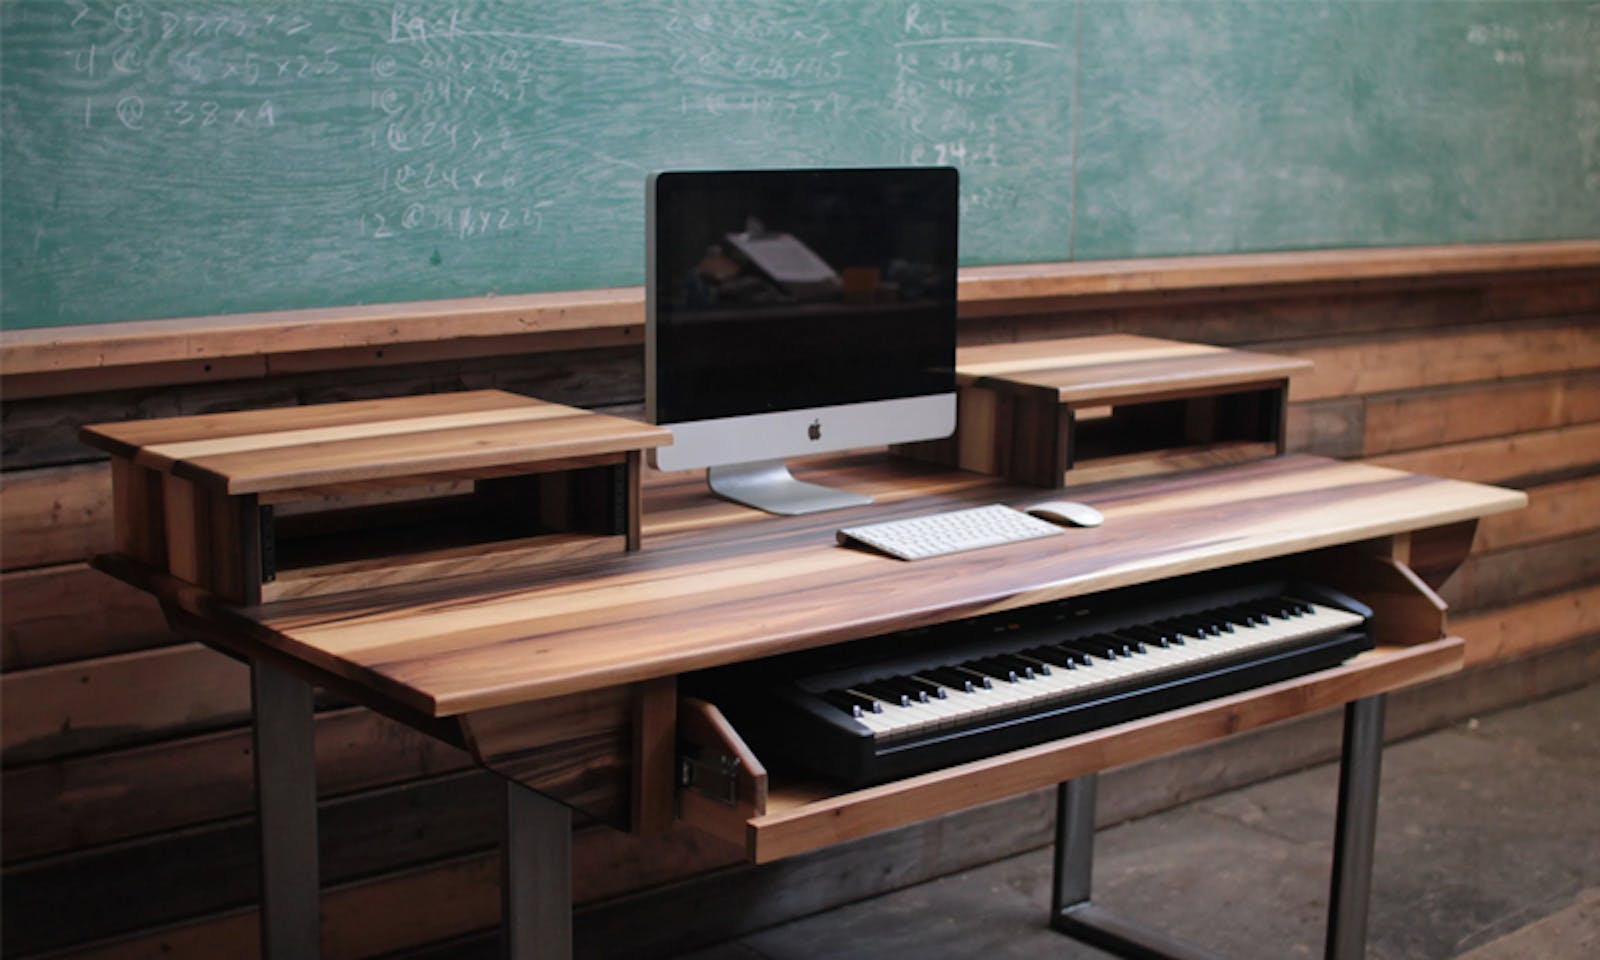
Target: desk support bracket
(286, 798)
(1074, 914)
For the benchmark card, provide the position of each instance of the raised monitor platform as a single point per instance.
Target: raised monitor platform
(256, 506)
(1053, 413)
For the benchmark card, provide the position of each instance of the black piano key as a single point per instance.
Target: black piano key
(851, 702)
(1079, 657)
(931, 689)
(904, 684)
(884, 692)
(1265, 610)
(1277, 609)
(1055, 656)
(1148, 635)
(1119, 645)
(946, 685)
(1171, 632)
(1254, 614)
(1024, 668)
(1197, 626)
(956, 679)
(878, 703)
(1097, 645)
(1039, 667)
(1293, 608)
(1131, 643)
(990, 676)
(992, 667)
(959, 679)
(843, 702)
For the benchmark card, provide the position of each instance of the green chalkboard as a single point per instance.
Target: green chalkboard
(190, 157)
(1226, 126)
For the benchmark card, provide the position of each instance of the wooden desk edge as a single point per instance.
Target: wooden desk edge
(228, 629)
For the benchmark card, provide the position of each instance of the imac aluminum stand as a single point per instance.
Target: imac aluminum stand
(768, 485)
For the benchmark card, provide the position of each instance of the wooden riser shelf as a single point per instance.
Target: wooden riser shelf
(1067, 412)
(261, 506)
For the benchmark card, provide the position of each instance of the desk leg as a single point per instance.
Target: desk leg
(1071, 910)
(286, 804)
(536, 876)
(1355, 828)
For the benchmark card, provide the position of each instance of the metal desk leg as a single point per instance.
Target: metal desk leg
(536, 876)
(1074, 842)
(1355, 829)
(1071, 910)
(286, 804)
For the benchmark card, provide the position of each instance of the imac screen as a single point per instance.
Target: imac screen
(788, 290)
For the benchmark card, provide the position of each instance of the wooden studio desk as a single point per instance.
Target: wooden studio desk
(564, 677)
(530, 600)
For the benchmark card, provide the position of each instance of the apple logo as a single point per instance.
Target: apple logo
(815, 430)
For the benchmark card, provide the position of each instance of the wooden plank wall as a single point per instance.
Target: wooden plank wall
(127, 828)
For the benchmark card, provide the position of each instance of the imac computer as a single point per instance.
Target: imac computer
(792, 312)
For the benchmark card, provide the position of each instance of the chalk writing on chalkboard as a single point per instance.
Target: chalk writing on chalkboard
(169, 158)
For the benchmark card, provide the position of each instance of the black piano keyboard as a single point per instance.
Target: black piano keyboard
(923, 699)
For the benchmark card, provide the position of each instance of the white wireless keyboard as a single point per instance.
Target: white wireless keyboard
(936, 534)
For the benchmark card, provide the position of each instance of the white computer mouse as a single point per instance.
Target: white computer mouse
(1067, 512)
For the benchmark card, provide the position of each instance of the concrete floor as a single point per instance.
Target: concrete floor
(1488, 848)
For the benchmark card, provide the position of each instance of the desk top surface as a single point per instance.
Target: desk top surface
(716, 583)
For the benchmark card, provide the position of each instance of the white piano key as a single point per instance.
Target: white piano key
(1055, 683)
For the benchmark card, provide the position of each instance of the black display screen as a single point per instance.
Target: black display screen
(791, 289)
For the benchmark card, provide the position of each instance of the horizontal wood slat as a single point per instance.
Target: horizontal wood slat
(985, 291)
(1412, 360)
(124, 699)
(53, 516)
(1257, 319)
(57, 901)
(1554, 510)
(297, 331)
(1455, 414)
(98, 798)
(360, 919)
(1503, 577)
(606, 863)
(1530, 626)
(74, 612)
(1539, 456)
